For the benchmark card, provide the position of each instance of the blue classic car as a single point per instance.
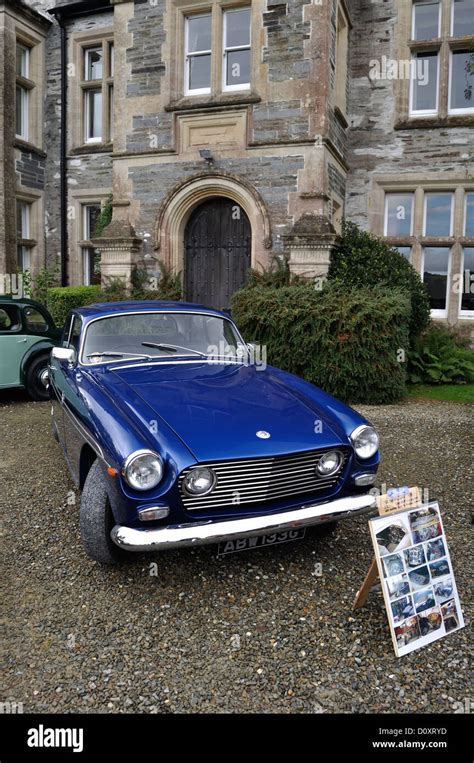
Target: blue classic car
(177, 437)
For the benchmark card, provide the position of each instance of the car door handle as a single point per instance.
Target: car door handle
(21, 340)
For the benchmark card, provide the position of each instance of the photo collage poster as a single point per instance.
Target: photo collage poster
(416, 576)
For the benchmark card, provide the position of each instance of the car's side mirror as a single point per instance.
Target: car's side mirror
(64, 355)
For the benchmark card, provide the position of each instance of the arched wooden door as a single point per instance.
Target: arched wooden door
(217, 244)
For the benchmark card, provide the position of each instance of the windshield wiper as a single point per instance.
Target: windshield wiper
(173, 348)
(119, 355)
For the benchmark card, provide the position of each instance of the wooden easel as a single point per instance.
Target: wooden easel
(395, 499)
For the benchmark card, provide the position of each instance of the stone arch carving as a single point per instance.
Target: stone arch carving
(177, 206)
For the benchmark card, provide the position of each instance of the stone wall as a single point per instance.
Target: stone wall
(376, 146)
(274, 178)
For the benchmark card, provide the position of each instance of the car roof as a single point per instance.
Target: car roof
(101, 309)
(21, 301)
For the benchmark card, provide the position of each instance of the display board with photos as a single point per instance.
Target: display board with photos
(417, 577)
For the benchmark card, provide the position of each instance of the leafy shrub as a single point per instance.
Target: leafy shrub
(365, 260)
(343, 339)
(63, 299)
(114, 290)
(104, 218)
(168, 287)
(440, 357)
(45, 279)
(276, 275)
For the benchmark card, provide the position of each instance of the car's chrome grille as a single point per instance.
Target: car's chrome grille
(259, 480)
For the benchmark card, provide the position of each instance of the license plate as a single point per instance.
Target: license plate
(258, 541)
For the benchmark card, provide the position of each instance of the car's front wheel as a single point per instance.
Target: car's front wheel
(37, 378)
(97, 520)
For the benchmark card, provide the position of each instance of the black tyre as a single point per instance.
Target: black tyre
(327, 528)
(37, 378)
(97, 520)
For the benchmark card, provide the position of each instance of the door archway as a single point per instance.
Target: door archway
(217, 252)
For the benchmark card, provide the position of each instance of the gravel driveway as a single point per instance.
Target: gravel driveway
(257, 631)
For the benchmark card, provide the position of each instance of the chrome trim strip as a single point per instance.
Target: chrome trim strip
(199, 533)
(79, 426)
(162, 362)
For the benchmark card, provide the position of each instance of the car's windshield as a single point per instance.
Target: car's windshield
(140, 336)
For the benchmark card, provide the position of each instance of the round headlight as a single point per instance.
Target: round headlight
(329, 463)
(143, 470)
(365, 441)
(199, 481)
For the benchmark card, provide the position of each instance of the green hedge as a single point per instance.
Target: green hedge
(345, 340)
(365, 260)
(63, 299)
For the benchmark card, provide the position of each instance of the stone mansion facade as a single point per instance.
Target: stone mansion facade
(230, 131)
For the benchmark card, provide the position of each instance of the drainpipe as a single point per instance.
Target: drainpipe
(62, 155)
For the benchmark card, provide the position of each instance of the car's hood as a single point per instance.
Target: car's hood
(217, 410)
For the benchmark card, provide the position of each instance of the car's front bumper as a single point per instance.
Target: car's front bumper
(199, 533)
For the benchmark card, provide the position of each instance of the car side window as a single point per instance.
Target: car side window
(9, 318)
(34, 320)
(75, 334)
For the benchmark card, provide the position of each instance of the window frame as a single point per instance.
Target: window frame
(25, 85)
(467, 192)
(225, 50)
(195, 54)
(420, 185)
(24, 243)
(469, 314)
(436, 312)
(216, 9)
(413, 28)
(451, 215)
(451, 111)
(104, 85)
(385, 221)
(451, 20)
(444, 46)
(85, 245)
(417, 113)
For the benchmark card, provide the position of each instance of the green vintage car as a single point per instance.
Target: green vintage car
(27, 333)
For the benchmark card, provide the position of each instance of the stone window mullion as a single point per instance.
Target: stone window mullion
(443, 84)
(216, 48)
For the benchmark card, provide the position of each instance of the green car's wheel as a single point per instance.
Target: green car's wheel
(37, 378)
(97, 520)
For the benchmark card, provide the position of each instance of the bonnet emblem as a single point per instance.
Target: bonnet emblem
(262, 434)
